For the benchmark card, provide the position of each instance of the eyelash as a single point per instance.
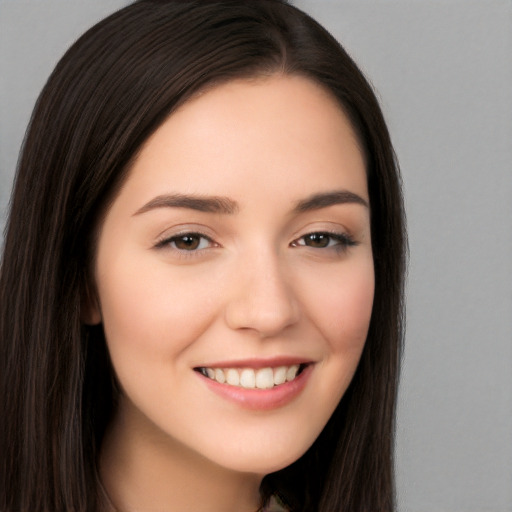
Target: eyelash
(166, 242)
(342, 242)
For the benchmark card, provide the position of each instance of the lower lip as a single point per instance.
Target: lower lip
(261, 399)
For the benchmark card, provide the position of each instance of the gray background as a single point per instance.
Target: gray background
(443, 72)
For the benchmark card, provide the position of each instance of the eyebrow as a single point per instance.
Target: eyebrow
(209, 204)
(225, 205)
(325, 199)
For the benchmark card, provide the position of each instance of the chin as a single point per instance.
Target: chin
(262, 458)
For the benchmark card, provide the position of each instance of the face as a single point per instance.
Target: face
(234, 273)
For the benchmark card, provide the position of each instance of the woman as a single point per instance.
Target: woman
(201, 288)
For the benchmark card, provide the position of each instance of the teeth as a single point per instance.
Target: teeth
(219, 376)
(280, 375)
(248, 378)
(232, 377)
(291, 373)
(264, 378)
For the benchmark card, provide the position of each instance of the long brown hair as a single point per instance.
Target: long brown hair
(110, 91)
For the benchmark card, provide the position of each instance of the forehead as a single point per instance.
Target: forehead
(234, 136)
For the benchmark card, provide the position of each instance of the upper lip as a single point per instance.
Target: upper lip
(257, 362)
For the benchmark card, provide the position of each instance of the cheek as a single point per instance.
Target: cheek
(343, 315)
(338, 303)
(343, 307)
(149, 312)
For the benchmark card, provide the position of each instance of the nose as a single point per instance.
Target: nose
(262, 299)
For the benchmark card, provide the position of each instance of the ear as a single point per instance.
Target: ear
(90, 312)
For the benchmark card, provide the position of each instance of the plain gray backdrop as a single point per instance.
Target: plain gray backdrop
(443, 73)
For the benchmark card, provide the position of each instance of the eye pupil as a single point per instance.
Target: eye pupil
(187, 242)
(317, 240)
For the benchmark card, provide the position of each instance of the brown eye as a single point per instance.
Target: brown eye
(318, 240)
(187, 242)
(325, 240)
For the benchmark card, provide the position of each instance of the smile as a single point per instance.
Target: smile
(249, 378)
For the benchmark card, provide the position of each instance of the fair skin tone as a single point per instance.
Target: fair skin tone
(238, 249)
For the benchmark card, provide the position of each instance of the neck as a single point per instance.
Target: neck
(143, 469)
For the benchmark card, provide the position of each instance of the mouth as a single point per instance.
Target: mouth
(250, 378)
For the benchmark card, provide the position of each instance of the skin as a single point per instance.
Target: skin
(253, 287)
